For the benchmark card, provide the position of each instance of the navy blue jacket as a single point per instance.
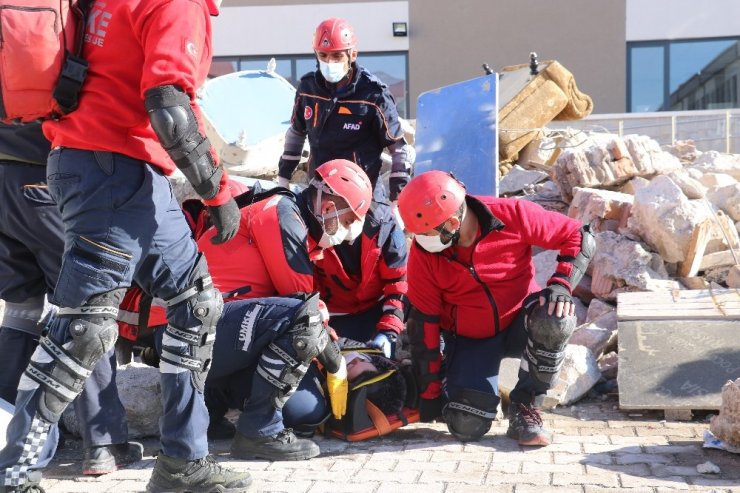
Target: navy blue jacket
(355, 123)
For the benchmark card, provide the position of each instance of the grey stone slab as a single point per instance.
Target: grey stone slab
(671, 364)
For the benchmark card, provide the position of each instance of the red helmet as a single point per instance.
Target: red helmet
(430, 199)
(334, 34)
(347, 180)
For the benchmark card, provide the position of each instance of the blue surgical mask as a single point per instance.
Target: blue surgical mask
(333, 71)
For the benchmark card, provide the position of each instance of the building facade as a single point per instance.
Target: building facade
(628, 55)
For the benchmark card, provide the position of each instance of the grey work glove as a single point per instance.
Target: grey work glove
(226, 219)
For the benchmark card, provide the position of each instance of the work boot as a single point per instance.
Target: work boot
(221, 429)
(284, 445)
(32, 484)
(525, 425)
(105, 459)
(204, 475)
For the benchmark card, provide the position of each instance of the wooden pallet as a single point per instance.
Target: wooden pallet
(700, 304)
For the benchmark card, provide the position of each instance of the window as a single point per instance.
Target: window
(683, 75)
(391, 68)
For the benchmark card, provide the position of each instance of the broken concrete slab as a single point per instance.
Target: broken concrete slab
(609, 365)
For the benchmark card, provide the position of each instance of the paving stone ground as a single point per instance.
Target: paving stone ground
(597, 449)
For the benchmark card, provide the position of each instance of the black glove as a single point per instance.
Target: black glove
(395, 185)
(226, 218)
(430, 409)
(556, 292)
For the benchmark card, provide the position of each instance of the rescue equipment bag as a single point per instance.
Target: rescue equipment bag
(41, 67)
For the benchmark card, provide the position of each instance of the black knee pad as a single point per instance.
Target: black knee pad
(547, 337)
(308, 339)
(469, 414)
(193, 315)
(61, 369)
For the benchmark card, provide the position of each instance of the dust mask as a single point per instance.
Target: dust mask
(354, 231)
(333, 71)
(328, 241)
(432, 244)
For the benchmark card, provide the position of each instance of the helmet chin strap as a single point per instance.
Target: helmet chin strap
(454, 238)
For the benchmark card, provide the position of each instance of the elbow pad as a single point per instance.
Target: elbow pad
(580, 262)
(176, 127)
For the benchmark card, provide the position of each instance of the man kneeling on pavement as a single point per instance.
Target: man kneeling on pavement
(471, 280)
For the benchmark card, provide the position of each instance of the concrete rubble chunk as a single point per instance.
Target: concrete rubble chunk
(598, 335)
(685, 150)
(609, 365)
(727, 198)
(602, 209)
(519, 179)
(623, 265)
(716, 180)
(635, 184)
(610, 161)
(733, 277)
(648, 157)
(665, 218)
(691, 187)
(718, 162)
(598, 308)
(141, 396)
(726, 426)
(578, 374)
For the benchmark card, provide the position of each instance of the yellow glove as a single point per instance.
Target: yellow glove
(338, 387)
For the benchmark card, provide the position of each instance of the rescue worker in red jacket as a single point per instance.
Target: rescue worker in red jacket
(268, 262)
(363, 282)
(471, 279)
(137, 121)
(345, 112)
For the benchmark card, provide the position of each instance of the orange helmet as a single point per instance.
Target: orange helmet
(347, 180)
(334, 34)
(430, 199)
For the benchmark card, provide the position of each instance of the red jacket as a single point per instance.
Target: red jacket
(270, 255)
(353, 278)
(481, 300)
(133, 46)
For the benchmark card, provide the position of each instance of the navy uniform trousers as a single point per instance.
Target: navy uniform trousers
(31, 247)
(122, 223)
(245, 331)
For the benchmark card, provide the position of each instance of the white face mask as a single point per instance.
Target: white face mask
(333, 71)
(354, 231)
(432, 244)
(328, 241)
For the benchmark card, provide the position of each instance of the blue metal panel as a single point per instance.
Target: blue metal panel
(457, 131)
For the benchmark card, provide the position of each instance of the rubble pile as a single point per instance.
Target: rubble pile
(664, 218)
